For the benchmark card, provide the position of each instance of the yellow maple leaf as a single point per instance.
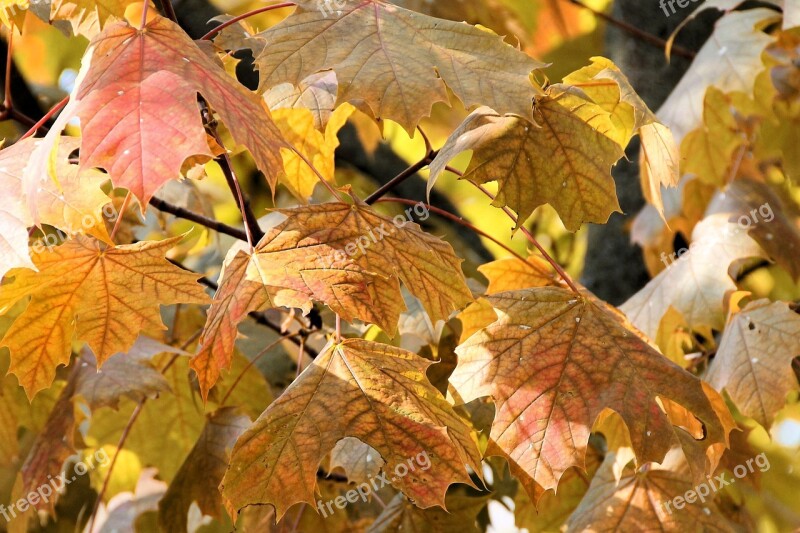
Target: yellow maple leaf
(565, 161)
(298, 126)
(105, 295)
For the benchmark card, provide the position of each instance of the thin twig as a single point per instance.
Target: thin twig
(118, 223)
(561, 272)
(250, 365)
(169, 11)
(9, 59)
(400, 178)
(210, 223)
(234, 20)
(649, 38)
(253, 230)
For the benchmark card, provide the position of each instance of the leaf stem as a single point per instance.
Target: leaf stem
(561, 272)
(118, 223)
(56, 108)
(457, 220)
(400, 178)
(234, 20)
(250, 365)
(9, 58)
(169, 11)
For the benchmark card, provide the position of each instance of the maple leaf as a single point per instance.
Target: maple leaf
(366, 44)
(88, 17)
(178, 413)
(708, 150)
(52, 446)
(565, 162)
(139, 115)
(298, 127)
(355, 388)
(635, 502)
(510, 273)
(754, 360)
(105, 295)
(202, 471)
(73, 202)
(317, 94)
(606, 85)
(696, 282)
(729, 60)
(345, 255)
(130, 375)
(539, 362)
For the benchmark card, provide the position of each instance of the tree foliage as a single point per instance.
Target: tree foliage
(214, 321)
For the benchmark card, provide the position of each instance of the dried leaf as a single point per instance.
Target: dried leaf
(565, 162)
(366, 43)
(355, 388)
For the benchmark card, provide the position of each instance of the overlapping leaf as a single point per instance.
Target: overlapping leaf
(694, 283)
(201, 473)
(73, 203)
(637, 502)
(345, 255)
(104, 295)
(565, 161)
(552, 362)
(139, 114)
(729, 60)
(754, 360)
(355, 388)
(366, 43)
(606, 85)
(88, 17)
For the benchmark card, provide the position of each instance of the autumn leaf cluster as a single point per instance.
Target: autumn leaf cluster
(194, 284)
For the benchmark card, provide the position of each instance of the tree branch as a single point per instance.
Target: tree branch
(210, 223)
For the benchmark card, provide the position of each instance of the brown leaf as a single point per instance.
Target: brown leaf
(202, 471)
(367, 45)
(356, 388)
(138, 109)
